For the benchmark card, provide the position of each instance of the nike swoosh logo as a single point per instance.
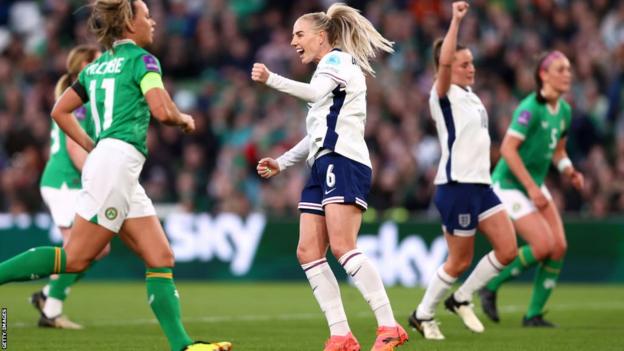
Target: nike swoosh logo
(329, 191)
(356, 272)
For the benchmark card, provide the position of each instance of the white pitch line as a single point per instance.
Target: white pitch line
(595, 306)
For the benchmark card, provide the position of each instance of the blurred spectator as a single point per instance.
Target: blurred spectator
(207, 47)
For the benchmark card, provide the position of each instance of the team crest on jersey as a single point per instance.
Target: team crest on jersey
(464, 220)
(111, 213)
(524, 117)
(544, 124)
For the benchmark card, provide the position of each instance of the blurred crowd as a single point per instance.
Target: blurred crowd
(207, 48)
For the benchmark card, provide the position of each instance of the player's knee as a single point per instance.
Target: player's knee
(462, 266)
(162, 258)
(302, 254)
(559, 250)
(458, 266)
(105, 251)
(340, 250)
(542, 250)
(507, 254)
(306, 254)
(76, 264)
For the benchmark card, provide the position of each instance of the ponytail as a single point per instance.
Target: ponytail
(348, 30)
(437, 50)
(62, 84)
(76, 59)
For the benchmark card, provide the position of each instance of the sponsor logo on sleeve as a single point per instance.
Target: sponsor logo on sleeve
(80, 113)
(524, 117)
(151, 64)
(333, 60)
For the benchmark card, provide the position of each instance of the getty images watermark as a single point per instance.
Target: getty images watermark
(4, 328)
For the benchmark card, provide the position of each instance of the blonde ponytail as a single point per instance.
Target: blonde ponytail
(76, 59)
(348, 30)
(62, 84)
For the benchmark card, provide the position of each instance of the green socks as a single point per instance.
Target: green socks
(545, 280)
(524, 260)
(59, 287)
(38, 262)
(164, 300)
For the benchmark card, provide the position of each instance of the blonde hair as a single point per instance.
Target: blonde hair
(109, 19)
(348, 30)
(76, 57)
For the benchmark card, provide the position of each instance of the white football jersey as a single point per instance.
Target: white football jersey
(336, 121)
(462, 124)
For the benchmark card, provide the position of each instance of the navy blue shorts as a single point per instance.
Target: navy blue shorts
(335, 179)
(462, 206)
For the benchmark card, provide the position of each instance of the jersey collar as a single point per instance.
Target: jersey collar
(123, 41)
(466, 88)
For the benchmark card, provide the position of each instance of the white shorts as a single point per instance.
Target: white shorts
(62, 204)
(110, 186)
(516, 202)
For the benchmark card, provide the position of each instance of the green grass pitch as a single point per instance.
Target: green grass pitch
(285, 316)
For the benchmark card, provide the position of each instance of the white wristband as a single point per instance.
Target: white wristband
(563, 164)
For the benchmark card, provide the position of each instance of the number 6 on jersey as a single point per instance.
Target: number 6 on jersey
(330, 178)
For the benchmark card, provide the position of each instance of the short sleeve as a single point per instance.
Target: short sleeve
(81, 78)
(333, 66)
(79, 86)
(521, 121)
(144, 64)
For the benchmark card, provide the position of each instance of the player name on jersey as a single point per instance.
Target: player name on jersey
(107, 67)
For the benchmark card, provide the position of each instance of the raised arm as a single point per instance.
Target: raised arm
(318, 87)
(449, 45)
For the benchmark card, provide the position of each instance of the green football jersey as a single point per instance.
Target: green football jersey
(541, 131)
(112, 83)
(60, 169)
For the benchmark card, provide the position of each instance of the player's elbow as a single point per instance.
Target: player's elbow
(56, 114)
(314, 97)
(161, 106)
